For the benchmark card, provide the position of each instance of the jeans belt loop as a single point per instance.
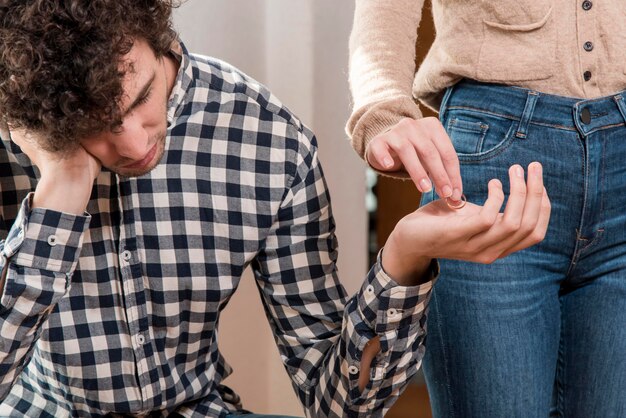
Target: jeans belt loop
(529, 108)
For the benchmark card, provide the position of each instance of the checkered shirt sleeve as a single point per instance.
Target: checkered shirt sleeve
(37, 259)
(320, 335)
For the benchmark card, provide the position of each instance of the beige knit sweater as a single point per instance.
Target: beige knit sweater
(545, 45)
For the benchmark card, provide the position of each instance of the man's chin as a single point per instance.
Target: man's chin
(123, 172)
(138, 172)
(130, 172)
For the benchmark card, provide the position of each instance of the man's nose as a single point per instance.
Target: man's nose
(132, 141)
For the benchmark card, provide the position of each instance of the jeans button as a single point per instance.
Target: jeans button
(585, 116)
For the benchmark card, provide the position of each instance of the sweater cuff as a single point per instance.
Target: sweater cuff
(375, 118)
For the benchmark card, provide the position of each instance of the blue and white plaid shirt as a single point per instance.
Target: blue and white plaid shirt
(116, 312)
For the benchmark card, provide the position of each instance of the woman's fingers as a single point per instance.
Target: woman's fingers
(423, 149)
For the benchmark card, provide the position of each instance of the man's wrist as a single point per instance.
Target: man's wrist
(413, 274)
(63, 194)
(405, 269)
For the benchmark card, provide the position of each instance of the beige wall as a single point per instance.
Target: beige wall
(299, 49)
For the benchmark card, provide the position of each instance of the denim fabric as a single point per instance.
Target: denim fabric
(542, 332)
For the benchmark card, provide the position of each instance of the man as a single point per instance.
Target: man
(160, 176)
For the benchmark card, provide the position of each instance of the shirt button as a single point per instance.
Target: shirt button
(587, 75)
(392, 312)
(585, 116)
(141, 340)
(369, 289)
(126, 255)
(587, 5)
(52, 240)
(588, 46)
(353, 370)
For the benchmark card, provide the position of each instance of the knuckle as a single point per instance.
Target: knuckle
(526, 229)
(486, 220)
(428, 152)
(546, 205)
(511, 225)
(537, 192)
(430, 121)
(487, 258)
(448, 156)
(521, 192)
(407, 124)
(538, 236)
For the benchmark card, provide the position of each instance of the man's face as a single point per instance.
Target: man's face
(138, 145)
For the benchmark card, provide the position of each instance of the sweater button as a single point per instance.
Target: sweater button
(587, 5)
(587, 75)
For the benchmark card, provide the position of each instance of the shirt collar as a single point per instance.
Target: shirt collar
(184, 79)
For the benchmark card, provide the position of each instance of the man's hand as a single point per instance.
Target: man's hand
(424, 150)
(66, 179)
(474, 233)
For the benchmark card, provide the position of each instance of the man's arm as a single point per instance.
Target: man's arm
(353, 357)
(39, 255)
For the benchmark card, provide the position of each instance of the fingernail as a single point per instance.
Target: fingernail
(536, 167)
(447, 191)
(456, 194)
(387, 162)
(519, 171)
(426, 185)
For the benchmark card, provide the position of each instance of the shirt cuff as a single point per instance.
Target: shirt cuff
(386, 306)
(45, 239)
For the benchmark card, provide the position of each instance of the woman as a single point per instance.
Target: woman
(541, 332)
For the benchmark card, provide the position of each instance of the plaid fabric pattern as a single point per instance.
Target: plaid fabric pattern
(116, 312)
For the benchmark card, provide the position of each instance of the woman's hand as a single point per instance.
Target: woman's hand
(423, 149)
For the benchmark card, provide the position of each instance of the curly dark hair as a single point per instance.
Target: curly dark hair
(60, 73)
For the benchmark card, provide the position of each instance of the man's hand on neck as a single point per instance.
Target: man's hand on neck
(66, 180)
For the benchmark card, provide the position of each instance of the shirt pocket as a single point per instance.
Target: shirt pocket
(519, 41)
(478, 136)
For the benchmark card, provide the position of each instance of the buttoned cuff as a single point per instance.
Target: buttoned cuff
(45, 239)
(384, 307)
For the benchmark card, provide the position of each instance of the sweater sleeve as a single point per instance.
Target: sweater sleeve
(382, 67)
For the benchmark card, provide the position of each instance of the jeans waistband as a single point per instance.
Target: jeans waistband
(529, 106)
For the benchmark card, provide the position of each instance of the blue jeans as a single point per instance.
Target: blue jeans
(542, 332)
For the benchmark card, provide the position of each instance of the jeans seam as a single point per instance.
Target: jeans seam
(577, 249)
(513, 118)
(560, 370)
(445, 363)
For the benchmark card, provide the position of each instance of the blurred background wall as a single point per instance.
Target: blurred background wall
(299, 49)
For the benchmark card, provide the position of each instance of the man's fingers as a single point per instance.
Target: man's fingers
(517, 199)
(508, 235)
(540, 230)
(487, 216)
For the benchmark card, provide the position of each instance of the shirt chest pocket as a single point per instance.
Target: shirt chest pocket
(519, 40)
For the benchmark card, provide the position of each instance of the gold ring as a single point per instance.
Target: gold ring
(462, 203)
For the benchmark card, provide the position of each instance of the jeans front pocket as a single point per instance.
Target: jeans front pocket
(477, 136)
